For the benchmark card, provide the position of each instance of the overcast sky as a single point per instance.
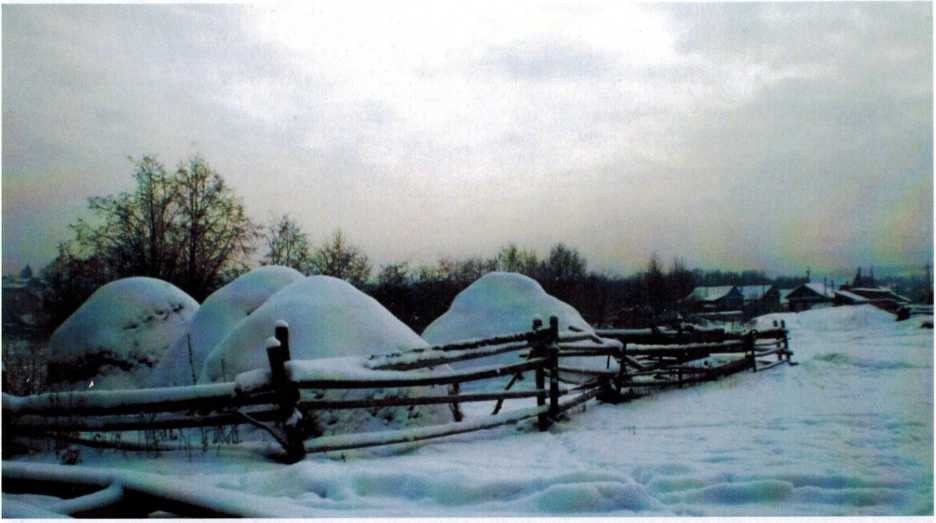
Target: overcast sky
(765, 136)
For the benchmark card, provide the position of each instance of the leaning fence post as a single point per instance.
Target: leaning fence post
(287, 393)
(553, 348)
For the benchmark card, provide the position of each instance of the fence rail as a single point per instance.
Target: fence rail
(276, 400)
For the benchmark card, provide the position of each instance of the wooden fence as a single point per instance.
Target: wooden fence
(645, 360)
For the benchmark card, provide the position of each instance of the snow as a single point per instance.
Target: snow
(708, 293)
(120, 333)
(216, 317)
(820, 289)
(332, 326)
(328, 318)
(498, 303)
(849, 431)
(502, 302)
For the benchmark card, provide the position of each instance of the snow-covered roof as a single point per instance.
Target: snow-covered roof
(851, 297)
(753, 292)
(785, 294)
(881, 291)
(820, 289)
(708, 293)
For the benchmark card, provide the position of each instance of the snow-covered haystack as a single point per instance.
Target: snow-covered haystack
(119, 334)
(327, 318)
(337, 326)
(503, 303)
(500, 303)
(217, 317)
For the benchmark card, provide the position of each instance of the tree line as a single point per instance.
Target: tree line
(188, 227)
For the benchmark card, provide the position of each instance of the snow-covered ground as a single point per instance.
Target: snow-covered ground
(849, 431)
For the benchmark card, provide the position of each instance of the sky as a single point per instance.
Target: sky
(739, 136)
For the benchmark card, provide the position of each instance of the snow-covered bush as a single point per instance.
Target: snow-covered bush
(216, 317)
(119, 334)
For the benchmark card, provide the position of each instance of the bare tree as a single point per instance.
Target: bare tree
(135, 233)
(217, 235)
(288, 245)
(187, 228)
(342, 260)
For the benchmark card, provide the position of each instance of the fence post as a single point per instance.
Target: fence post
(287, 393)
(749, 346)
(535, 352)
(553, 348)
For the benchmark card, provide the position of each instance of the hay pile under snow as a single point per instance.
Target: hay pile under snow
(119, 334)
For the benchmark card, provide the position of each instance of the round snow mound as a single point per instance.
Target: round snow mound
(119, 334)
(500, 303)
(505, 303)
(327, 318)
(216, 317)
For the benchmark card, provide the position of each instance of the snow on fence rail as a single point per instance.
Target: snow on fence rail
(271, 400)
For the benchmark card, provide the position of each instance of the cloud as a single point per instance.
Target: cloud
(733, 135)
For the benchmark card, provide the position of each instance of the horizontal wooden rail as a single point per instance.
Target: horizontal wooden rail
(165, 399)
(494, 371)
(397, 401)
(373, 439)
(118, 423)
(527, 337)
(428, 359)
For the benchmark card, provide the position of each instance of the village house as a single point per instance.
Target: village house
(714, 299)
(809, 295)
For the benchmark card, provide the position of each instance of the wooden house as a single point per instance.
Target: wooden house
(713, 299)
(809, 295)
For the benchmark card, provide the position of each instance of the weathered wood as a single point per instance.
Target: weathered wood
(446, 358)
(500, 402)
(457, 377)
(288, 394)
(215, 396)
(37, 423)
(397, 401)
(580, 399)
(553, 364)
(374, 439)
(472, 344)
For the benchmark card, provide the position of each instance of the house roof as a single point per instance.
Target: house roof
(700, 294)
(754, 292)
(784, 293)
(819, 289)
(878, 292)
(851, 297)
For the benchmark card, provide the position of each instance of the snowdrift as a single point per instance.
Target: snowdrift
(119, 334)
(336, 325)
(828, 319)
(502, 303)
(216, 317)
